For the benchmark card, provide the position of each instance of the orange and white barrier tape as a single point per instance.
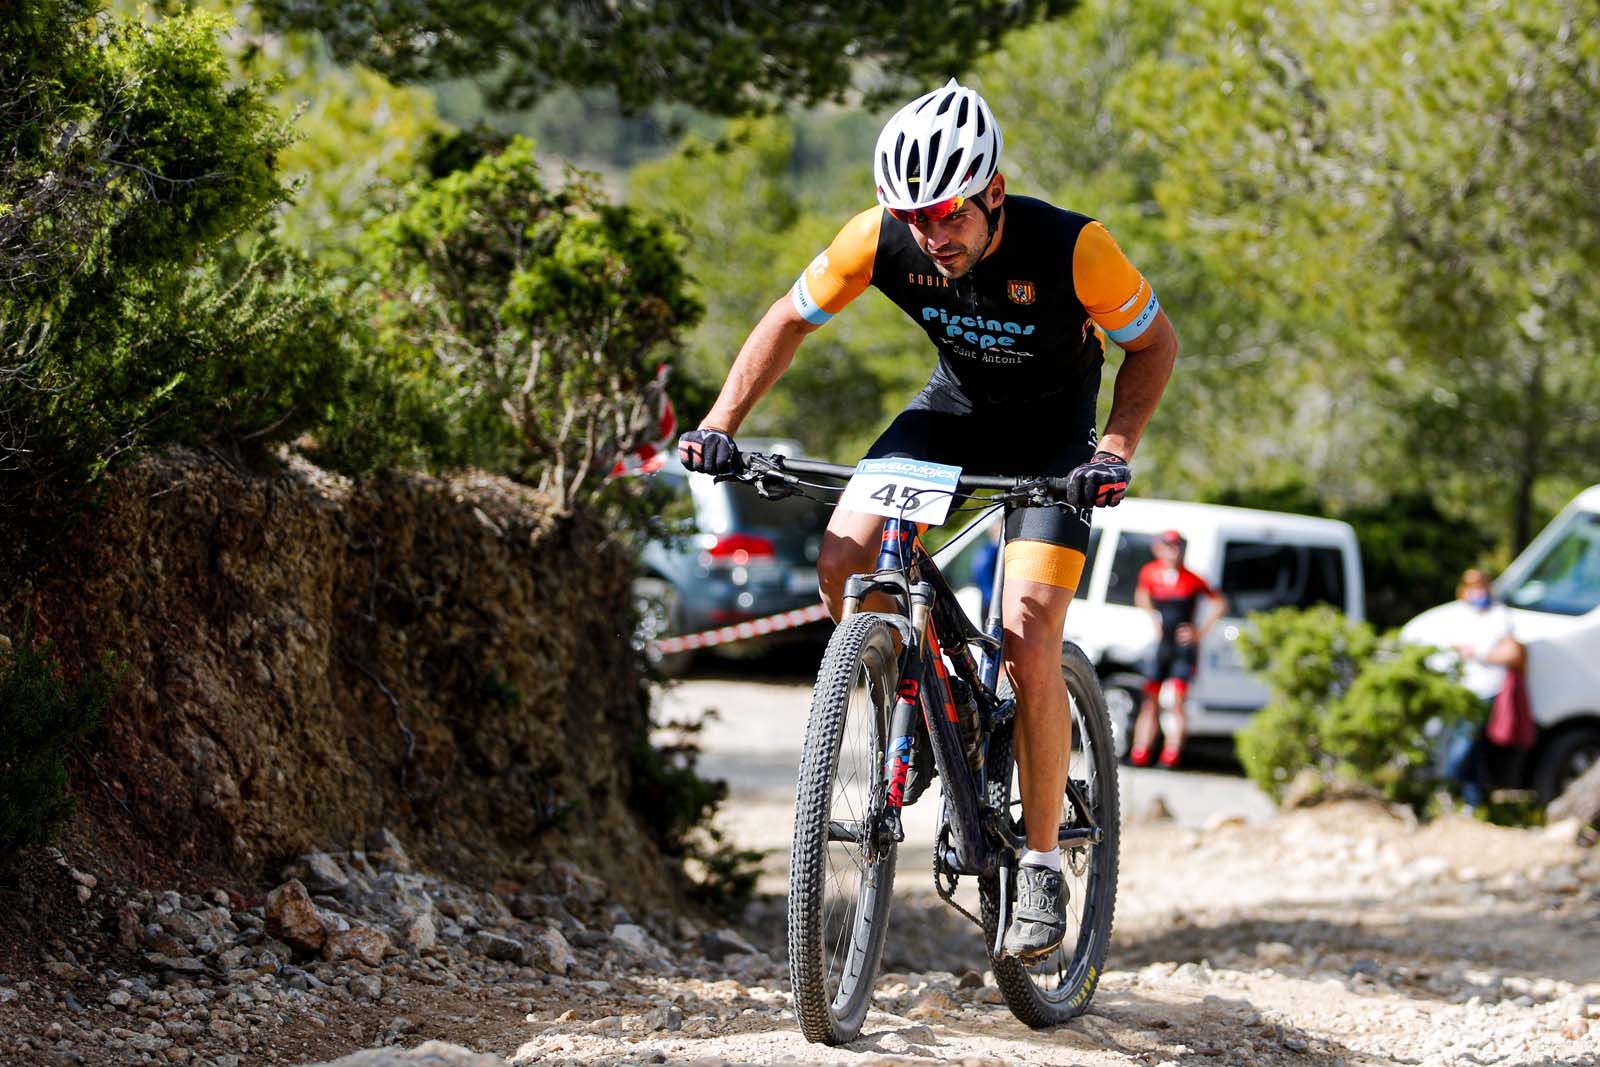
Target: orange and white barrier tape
(742, 631)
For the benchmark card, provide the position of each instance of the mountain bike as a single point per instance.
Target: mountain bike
(881, 673)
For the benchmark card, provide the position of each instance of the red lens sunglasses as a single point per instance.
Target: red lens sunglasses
(921, 216)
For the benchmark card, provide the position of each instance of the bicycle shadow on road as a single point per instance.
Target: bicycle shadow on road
(1393, 946)
(1208, 1028)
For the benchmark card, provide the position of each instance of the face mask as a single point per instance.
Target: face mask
(1479, 601)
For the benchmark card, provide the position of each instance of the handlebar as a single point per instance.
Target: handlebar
(781, 465)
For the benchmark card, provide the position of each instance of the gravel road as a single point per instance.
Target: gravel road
(1344, 935)
(1339, 935)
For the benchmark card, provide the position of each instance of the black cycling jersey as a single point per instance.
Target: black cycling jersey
(1021, 324)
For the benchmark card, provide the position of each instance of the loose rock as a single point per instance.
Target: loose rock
(362, 943)
(292, 917)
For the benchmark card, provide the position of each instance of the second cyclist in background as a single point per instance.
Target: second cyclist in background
(1171, 593)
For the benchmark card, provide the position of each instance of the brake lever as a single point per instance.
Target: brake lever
(771, 487)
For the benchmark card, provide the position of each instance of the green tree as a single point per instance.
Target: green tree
(541, 314)
(1411, 191)
(357, 140)
(726, 58)
(132, 162)
(1058, 91)
(750, 233)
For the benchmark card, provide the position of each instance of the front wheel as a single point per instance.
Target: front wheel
(1055, 988)
(840, 879)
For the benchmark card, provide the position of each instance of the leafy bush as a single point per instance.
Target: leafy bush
(540, 314)
(1344, 702)
(132, 311)
(1376, 731)
(41, 715)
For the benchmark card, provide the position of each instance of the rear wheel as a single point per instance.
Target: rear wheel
(1057, 987)
(839, 886)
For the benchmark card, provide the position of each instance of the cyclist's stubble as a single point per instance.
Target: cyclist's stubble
(955, 250)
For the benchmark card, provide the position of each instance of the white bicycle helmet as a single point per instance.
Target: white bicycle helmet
(942, 144)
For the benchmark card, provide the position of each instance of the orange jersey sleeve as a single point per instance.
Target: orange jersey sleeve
(840, 274)
(1111, 289)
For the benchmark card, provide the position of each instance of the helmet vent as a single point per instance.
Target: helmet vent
(981, 124)
(926, 102)
(899, 149)
(933, 145)
(914, 164)
(973, 171)
(961, 115)
(949, 172)
(944, 105)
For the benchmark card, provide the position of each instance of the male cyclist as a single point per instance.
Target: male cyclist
(1171, 593)
(1015, 294)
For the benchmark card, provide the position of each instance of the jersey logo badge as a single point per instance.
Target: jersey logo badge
(819, 266)
(1020, 292)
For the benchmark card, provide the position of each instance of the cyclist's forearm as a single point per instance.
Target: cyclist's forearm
(766, 354)
(1140, 382)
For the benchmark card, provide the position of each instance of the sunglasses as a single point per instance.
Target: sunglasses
(921, 216)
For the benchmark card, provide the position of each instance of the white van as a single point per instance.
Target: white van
(1258, 560)
(1553, 592)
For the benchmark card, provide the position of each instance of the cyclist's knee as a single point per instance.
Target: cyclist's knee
(837, 560)
(1032, 659)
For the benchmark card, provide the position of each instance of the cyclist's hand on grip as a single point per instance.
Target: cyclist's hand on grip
(710, 451)
(1100, 483)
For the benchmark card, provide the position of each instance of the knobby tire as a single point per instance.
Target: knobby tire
(860, 654)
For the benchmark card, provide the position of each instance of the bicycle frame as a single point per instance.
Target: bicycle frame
(933, 627)
(925, 688)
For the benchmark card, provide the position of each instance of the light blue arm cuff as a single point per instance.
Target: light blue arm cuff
(1139, 325)
(808, 308)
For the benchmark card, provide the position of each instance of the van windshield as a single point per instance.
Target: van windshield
(1566, 579)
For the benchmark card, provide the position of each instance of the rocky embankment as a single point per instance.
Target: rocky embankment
(354, 949)
(1340, 935)
(303, 658)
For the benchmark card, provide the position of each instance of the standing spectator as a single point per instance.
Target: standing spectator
(1171, 593)
(1488, 651)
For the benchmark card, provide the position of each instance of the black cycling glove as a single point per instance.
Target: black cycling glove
(1100, 483)
(711, 451)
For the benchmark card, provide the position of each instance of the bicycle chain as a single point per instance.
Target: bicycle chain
(949, 895)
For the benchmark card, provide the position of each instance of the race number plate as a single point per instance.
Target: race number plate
(902, 489)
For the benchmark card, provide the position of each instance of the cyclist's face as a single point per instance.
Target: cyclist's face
(955, 244)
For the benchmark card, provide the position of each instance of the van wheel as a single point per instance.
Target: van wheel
(656, 603)
(1572, 752)
(1124, 693)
